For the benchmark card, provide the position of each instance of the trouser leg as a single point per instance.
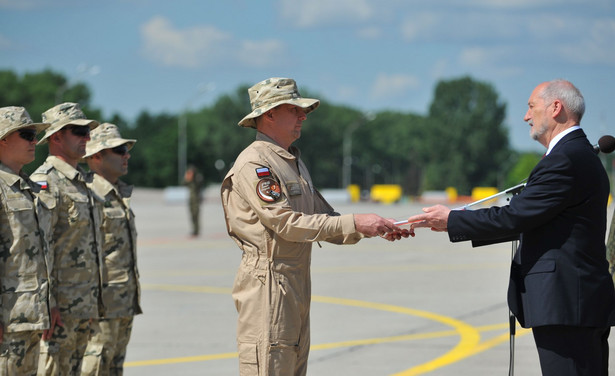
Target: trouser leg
(19, 353)
(63, 353)
(572, 351)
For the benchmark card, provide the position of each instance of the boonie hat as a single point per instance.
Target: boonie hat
(273, 92)
(13, 118)
(106, 136)
(62, 115)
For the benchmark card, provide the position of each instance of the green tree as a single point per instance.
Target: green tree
(521, 170)
(38, 92)
(467, 134)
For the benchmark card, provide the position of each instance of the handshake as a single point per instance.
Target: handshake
(435, 217)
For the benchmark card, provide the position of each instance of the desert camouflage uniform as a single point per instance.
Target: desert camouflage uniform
(121, 293)
(75, 260)
(273, 213)
(610, 248)
(24, 281)
(194, 200)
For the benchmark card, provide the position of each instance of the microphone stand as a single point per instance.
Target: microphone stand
(512, 321)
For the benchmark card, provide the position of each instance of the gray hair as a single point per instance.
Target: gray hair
(566, 92)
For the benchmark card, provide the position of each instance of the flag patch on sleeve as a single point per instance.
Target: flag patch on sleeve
(263, 172)
(43, 184)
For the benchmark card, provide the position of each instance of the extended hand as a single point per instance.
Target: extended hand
(435, 217)
(374, 225)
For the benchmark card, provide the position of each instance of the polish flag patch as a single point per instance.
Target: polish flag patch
(263, 172)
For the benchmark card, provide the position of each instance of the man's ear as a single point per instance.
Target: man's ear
(557, 108)
(55, 138)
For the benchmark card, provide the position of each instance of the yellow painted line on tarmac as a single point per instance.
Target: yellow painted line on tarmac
(469, 336)
(469, 343)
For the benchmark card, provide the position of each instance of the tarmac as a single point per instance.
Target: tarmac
(418, 306)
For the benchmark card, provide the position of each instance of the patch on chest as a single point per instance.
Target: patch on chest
(268, 190)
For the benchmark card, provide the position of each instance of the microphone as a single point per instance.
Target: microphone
(606, 144)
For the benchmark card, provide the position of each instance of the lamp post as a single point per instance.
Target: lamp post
(83, 69)
(182, 124)
(347, 146)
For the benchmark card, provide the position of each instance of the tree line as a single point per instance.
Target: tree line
(461, 142)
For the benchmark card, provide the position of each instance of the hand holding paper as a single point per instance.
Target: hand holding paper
(435, 217)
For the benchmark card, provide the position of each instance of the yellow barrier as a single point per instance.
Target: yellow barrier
(451, 193)
(479, 193)
(386, 193)
(355, 192)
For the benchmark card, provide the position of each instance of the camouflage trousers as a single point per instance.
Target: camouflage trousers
(62, 354)
(19, 353)
(106, 349)
(194, 217)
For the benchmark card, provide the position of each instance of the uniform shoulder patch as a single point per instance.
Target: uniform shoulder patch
(43, 184)
(268, 190)
(263, 172)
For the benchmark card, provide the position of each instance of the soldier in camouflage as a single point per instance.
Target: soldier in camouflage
(194, 181)
(24, 280)
(107, 155)
(74, 243)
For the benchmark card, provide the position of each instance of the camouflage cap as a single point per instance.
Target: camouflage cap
(13, 118)
(62, 115)
(106, 136)
(273, 92)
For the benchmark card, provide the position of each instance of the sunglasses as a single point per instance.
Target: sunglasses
(27, 134)
(79, 130)
(120, 150)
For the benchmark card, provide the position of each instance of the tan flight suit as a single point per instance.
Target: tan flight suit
(75, 259)
(24, 279)
(274, 218)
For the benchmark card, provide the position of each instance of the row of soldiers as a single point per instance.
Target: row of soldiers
(68, 271)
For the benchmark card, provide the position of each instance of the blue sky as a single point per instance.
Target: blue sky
(162, 56)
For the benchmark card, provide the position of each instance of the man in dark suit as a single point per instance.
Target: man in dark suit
(559, 283)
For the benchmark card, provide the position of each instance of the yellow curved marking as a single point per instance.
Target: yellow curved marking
(469, 336)
(468, 345)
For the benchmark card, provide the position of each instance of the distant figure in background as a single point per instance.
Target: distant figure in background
(194, 181)
(107, 155)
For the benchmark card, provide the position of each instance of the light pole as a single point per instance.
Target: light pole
(347, 146)
(182, 124)
(83, 69)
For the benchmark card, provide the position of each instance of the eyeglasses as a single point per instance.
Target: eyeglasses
(120, 150)
(79, 130)
(27, 134)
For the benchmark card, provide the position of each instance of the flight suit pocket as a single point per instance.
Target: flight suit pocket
(248, 358)
(283, 358)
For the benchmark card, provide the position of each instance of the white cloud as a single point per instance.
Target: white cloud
(595, 47)
(429, 26)
(261, 53)
(393, 85)
(312, 13)
(204, 46)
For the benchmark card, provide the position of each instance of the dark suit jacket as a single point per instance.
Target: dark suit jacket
(559, 275)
